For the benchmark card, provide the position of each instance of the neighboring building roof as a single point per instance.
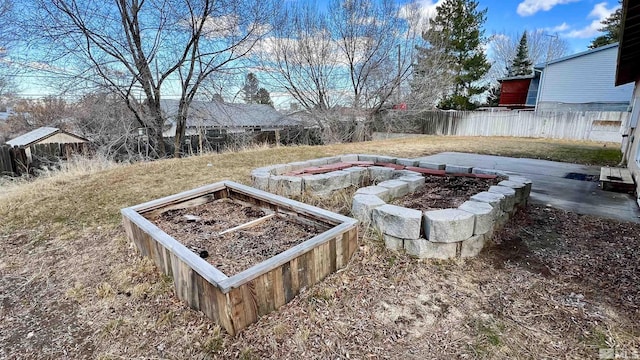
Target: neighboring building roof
(629, 52)
(37, 135)
(215, 114)
(524, 77)
(577, 55)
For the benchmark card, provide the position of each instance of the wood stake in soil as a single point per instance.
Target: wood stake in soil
(248, 225)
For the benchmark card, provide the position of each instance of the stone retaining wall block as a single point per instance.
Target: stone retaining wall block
(485, 215)
(386, 159)
(393, 243)
(456, 169)
(382, 193)
(349, 157)
(365, 157)
(492, 199)
(363, 205)
(315, 183)
(359, 175)
(520, 188)
(397, 188)
(431, 165)
(473, 246)
(407, 162)
(425, 249)
(509, 197)
(260, 181)
(401, 173)
(338, 180)
(448, 225)
(414, 182)
(286, 185)
(397, 221)
(379, 173)
(527, 183)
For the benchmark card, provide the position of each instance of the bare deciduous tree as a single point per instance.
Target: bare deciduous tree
(142, 49)
(301, 56)
(7, 85)
(542, 47)
(376, 45)
(31, 114)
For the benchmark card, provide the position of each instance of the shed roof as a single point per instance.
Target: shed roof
(38, 135)
(577, 55)
(629, 51)
(229, 115)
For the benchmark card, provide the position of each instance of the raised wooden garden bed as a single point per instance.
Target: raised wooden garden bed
(225, 224)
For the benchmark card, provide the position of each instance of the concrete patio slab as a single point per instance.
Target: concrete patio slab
(551, 187)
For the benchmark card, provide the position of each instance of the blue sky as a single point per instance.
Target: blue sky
(576, 21)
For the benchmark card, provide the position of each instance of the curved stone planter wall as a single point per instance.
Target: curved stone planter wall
(440, 234)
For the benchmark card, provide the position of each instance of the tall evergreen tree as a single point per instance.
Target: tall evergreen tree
(250, 88)
(610, 28)
(457, 32)
(263, 97)
(521, 65)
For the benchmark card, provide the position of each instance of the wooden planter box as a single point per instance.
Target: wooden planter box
(237, 301)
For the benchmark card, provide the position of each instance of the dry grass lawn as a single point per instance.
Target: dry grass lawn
(72, 286)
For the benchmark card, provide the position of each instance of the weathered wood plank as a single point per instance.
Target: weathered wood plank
(295, 278)
(248, 224)
(342, 249)
(290, 204)
(203, 268)
(279, 298)
(332, 255)
(243, 307)
(256, 287)
(286, 282)
(180, 197)
(284, 257)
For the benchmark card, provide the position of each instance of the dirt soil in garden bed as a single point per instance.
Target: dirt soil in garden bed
(443, 192)
(236, 251)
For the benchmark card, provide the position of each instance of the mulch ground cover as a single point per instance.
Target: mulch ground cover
(445, 192)
(199, 228)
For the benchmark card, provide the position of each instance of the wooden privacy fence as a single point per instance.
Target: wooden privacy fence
(13, 161)
(16, 161)
(583, 125)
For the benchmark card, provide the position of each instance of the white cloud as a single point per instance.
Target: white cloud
(418, 13)
(599, 13)
(530, 7)
(560, 28)
(426, 8)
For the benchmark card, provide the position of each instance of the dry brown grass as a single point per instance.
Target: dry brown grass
(72, 286)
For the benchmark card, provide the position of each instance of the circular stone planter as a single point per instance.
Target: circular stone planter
(438, 234)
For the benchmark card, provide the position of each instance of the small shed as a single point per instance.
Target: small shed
(64, 141)
(519, 92)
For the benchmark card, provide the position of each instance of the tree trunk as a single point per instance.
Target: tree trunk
(181, 124)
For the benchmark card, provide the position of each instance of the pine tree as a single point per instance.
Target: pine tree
(250, 88)
(263, 97)
(611, 29)
(521, 65)
(457, 31)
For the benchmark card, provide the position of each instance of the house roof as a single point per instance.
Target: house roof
(629, 51)
(229, 115)
(577, 55)
(38, 135)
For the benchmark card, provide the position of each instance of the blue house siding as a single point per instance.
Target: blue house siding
(584, 81)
